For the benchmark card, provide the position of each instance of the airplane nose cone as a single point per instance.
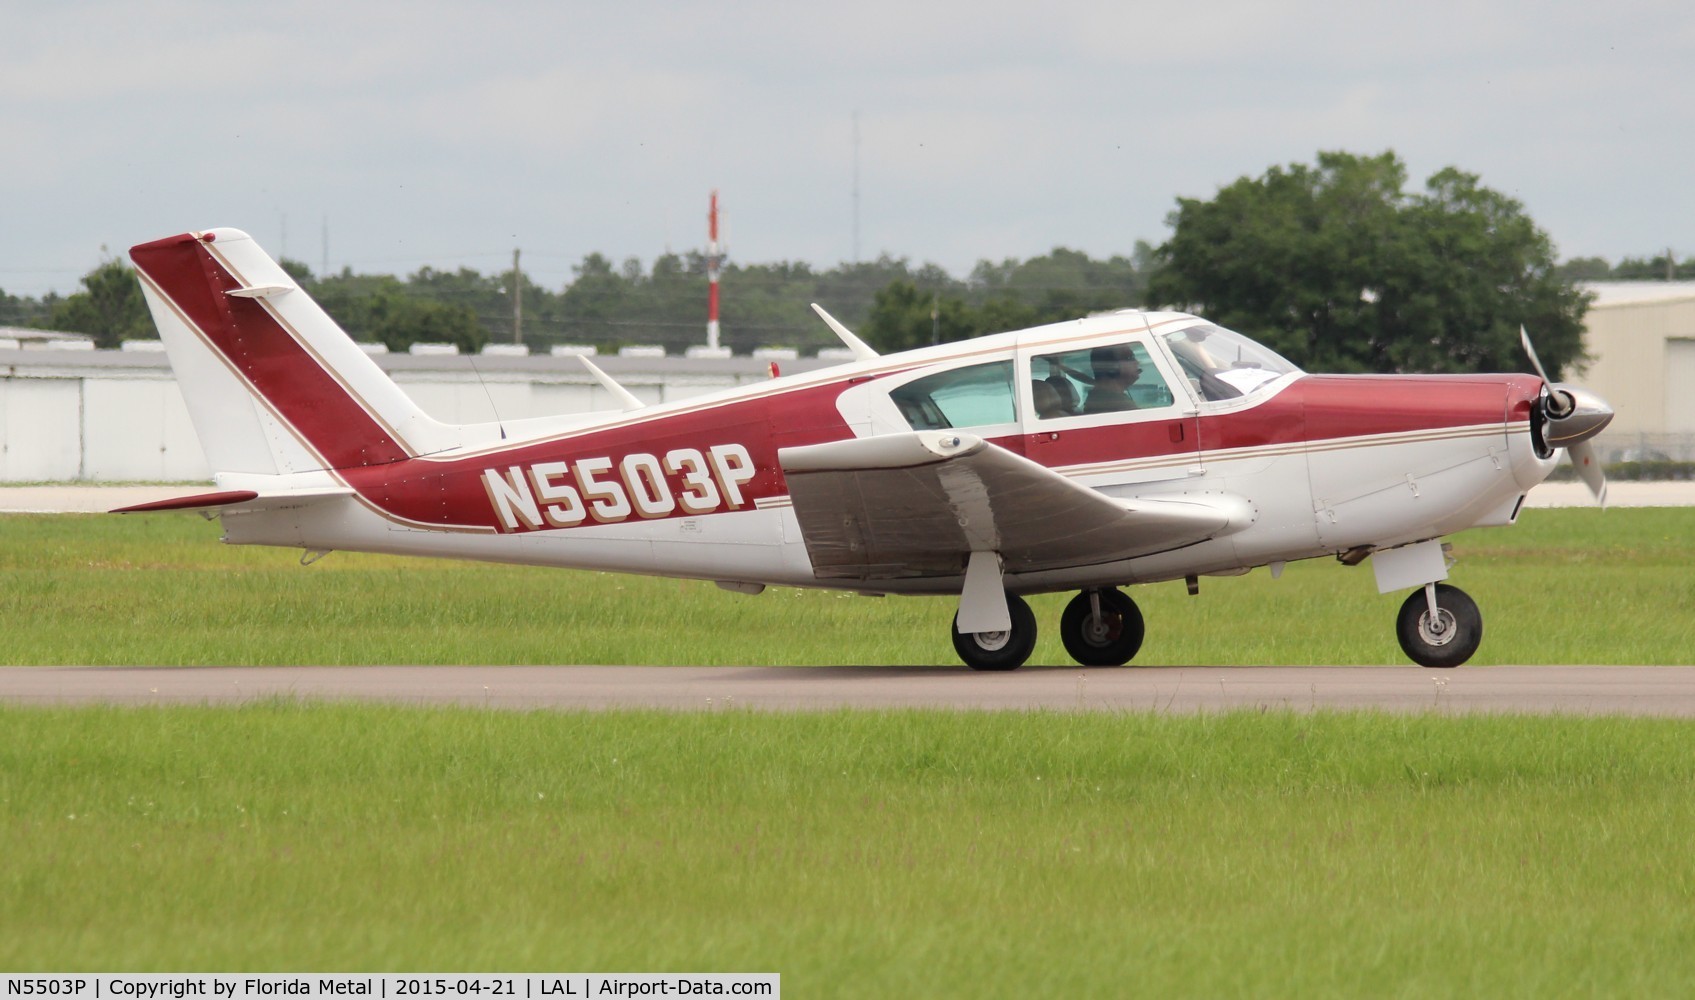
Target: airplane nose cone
(1574, 415)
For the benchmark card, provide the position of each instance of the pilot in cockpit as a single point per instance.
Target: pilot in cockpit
(1116, 370)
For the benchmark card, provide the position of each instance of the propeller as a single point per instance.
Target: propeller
(1571, 416)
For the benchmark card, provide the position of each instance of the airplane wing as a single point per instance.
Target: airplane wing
(918, 504)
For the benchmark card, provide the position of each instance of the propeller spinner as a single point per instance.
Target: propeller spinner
(1570, 418)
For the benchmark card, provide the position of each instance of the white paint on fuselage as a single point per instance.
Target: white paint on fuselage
(1461, 480)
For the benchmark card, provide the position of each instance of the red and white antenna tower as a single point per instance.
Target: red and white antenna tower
(712, 261)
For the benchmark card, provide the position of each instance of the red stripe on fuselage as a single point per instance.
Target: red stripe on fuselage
(265, 354)
(1312, 411)
(451, 491)
(1347, 406)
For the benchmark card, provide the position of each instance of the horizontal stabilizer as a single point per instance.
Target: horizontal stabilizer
(259, 291)
(231, 501)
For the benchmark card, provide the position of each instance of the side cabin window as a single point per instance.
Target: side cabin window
(960, 397)
(1107, 379)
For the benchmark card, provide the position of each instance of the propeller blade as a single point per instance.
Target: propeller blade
(1559, 403)
(1535, 362)
(1589, 469)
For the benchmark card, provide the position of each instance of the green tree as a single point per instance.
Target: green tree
(301, 274)
(596, 307)
(904, 316)
(1338, 267)
(15, 311)
(1064, 284)
(1585, 269)
(110, 307)
(401, 320)
(1663, 267)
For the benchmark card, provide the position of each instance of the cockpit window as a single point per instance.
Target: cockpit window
(1104, 379)
(961, 397)
(1223, 364)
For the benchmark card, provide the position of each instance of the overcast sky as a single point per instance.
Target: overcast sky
(446, 134)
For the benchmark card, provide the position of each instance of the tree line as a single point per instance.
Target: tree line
(763, 305)
(1336, 264)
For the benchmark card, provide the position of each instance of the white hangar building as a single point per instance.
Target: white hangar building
(1641, 340)
(70, 414)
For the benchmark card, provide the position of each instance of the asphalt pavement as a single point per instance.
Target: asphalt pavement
(1662, 691)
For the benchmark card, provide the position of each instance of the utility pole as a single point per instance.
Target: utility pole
(856, 187)
(712, 274)
(517, 300)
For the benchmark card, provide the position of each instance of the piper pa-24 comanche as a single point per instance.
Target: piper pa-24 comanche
(1130, 447)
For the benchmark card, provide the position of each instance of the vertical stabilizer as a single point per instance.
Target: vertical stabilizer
(272, 384)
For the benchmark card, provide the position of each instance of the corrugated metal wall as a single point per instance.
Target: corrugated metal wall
(61, 425)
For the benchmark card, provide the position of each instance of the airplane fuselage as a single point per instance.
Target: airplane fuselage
(695, 490)
(1123, 448)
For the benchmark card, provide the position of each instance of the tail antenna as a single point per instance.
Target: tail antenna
(490, 396)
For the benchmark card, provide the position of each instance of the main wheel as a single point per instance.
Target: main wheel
(1450, 638)
(999, 650)
(1109, 640)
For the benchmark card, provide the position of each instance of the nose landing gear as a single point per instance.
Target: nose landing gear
(1439, 626)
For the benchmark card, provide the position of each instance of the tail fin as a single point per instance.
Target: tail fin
(273, 385)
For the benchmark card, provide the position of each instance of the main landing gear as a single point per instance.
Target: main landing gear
(1100, 628)
(1439, 626)
(999, 650)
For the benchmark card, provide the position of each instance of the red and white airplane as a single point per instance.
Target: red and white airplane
(1132, 447)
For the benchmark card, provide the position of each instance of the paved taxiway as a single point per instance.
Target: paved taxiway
(1668, 691)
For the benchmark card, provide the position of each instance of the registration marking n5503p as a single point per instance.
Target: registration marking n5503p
(599, 490)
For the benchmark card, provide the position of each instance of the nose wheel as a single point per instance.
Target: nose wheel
(999, 650)
(1439, 626)
(1101, 628)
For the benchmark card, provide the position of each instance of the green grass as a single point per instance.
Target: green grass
(1564, 586)
(861, 854)
(857, 853)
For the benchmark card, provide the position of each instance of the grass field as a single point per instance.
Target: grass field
(861, 854)
(857, 853)
(1563, 586)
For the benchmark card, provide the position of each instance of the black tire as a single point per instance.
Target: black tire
(1113, 641)
(999, 650)
(1459, 631)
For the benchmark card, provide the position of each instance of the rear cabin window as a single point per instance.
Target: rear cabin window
(961, 397)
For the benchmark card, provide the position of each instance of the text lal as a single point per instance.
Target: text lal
(612, 986)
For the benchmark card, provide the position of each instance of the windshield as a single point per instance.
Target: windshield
(1223, 364)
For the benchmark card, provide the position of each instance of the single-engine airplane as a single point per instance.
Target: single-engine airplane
(1130, 447)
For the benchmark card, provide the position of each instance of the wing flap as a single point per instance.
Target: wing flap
(919, 504)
